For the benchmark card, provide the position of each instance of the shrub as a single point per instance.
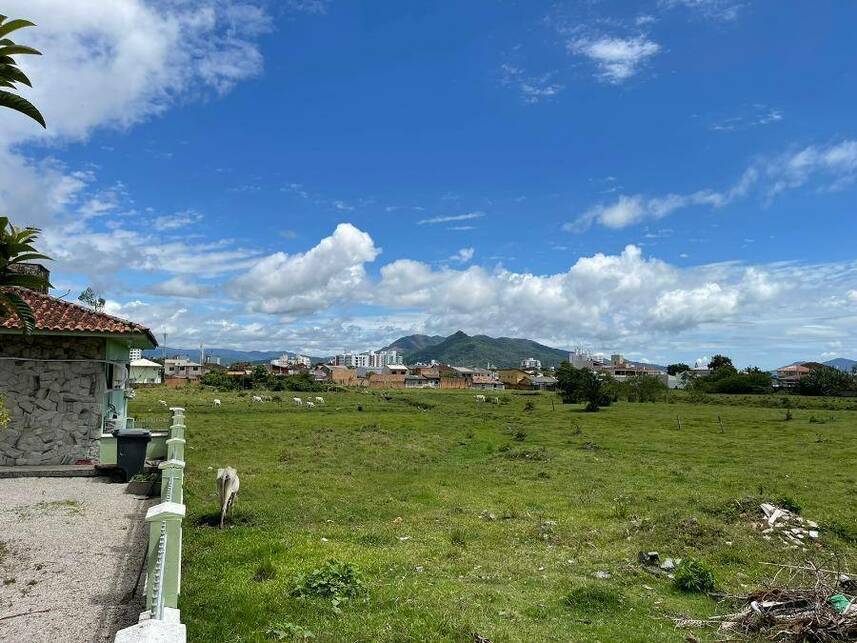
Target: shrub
(693, 575)
(336, 580)
(265, 571)
(289, 632)
(594, 598)
(529, 406)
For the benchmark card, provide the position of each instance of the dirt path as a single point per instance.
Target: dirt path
(73, 547)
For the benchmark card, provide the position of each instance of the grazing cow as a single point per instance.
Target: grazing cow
(309, 404)
(162, 402)
(227, 490)
(257, 399)
(297, 401)
(216, 403)
(496, 400)
(480, 398)
(320, 400)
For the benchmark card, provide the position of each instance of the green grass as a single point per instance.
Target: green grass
(463, 517)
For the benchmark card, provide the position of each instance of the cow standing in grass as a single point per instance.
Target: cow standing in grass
(227, 490)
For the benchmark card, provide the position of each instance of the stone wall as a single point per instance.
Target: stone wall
(55, 407)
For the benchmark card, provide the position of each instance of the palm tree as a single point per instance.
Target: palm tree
(16, 248)
(10, 74)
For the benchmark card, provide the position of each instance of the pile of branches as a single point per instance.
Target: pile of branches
(801, 603)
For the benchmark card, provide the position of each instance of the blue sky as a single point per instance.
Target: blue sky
(667, 179)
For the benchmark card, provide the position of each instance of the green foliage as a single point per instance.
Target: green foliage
(594, 598)
(265, 571)
(693, 575)
(675, 369)
(4, 413)
(825, 380)
(261, 379)
(576, 385)
(16, 247)
(336, 580)
(287, 631)
(476, 350)
(720, 362)
(644, 388)
(10, 74)
(92, 299)
(754, 382)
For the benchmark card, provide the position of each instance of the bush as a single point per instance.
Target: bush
(825, 381)
(594, 598)
(693, 575)
(530, 406)
(336, 580)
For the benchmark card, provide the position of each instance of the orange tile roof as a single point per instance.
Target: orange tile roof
(59, 316)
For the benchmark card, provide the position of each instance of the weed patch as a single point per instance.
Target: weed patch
(337, 581)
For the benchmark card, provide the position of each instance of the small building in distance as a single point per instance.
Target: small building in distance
(544, 383)
(144, 371)
(182, 368)
(514, 378)
(486, 383)
(531, 362)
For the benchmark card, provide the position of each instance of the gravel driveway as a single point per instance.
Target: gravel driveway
(72, 547)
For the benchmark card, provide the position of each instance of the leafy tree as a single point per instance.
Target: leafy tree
(753, 382)
(720, 362)
(594, 391)
(16, 248)
(569, 383)
(10, 74)
(825, 381)
(644, 388)
(675, 369)
(92, 299)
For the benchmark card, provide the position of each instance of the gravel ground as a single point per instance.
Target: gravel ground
(73, 547)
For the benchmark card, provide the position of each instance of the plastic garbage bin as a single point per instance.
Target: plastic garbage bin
(131, 450)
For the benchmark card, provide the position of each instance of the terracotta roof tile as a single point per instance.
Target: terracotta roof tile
(59, 316)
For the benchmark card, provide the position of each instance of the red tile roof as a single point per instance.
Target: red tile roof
(59, 316)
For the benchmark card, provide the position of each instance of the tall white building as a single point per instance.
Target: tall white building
(135, 354)
(581, 359)
(531, 362)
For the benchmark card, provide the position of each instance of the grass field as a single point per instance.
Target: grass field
(399, 490)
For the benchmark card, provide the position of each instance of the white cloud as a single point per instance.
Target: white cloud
(833, 166)
(331, 271)
(533, 89)
(716, 9)
(455, 217)
(180, 286)
(178, 220)
(617, 59)
(463, 255)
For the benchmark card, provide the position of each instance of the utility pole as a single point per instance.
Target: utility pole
(164, 351)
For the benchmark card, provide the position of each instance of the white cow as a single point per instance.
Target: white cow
(320, 400)
(297, 401)
(496, 400)
(227, 490)
(480, 398)
(162, 402)
(309, 404)
(216, 403)
(257, 399)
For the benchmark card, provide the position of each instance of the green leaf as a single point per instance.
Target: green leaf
(19, 104)
(11, 50)
(13, 302)
(31, 282)
(10, 72)
(32, 256)
(14, 25)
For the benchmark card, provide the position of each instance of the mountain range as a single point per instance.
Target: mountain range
(227, 355)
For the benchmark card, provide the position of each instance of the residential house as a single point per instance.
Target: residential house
(418, 381)
(144, 371)
(543, 383)
(622, 369)
(430, 374)
(385, 380)
(531, 362)
(182, 368)
(339, 375)
(514, 378)
(67, 384)
(453, 377)
(396, 369)
(789, 376)
(486, 383)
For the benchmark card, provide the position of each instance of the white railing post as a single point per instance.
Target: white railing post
(165, 522)
(172, 470)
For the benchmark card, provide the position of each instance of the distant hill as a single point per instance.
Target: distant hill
(227, 355)
(842, 363)
(478, 350)
(413, 343)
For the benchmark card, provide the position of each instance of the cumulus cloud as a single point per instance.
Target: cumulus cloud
(616, 59)
(463, 255)
(180, 286)
(311, 281)
(832, 166)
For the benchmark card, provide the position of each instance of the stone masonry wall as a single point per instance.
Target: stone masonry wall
(55, 407)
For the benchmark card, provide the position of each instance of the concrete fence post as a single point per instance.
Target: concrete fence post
(175, 448)
(172, 469)
(170, 514)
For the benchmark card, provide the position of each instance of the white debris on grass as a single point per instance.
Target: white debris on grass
(789, 528)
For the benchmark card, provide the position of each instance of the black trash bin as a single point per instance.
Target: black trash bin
(131, 450)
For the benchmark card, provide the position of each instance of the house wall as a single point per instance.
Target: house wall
(56, 407)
